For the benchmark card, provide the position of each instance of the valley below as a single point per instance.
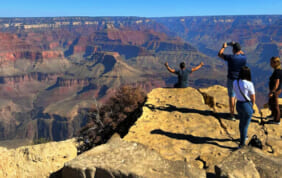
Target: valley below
(54, 70)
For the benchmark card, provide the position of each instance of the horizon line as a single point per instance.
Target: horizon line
(143, 16)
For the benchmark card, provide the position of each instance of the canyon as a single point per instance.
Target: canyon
(53, 70)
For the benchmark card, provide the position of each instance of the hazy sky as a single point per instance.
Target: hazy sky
(143, 8)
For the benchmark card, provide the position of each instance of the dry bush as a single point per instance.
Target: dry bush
(117, 115)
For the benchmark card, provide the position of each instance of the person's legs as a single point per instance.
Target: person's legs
(231, 105)
(271, 104)
(241, 116)
(276, 115)
(246, 116)
(231, 95)
(274, 107)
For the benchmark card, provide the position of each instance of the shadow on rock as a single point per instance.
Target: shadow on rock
(172, 108)
(194, 139)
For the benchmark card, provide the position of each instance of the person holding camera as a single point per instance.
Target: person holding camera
(183, 74)
(245, 93)
(235, 61)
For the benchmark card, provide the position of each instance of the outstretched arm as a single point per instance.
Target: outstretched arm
(198, 67)
(169, 69)
(220, 53)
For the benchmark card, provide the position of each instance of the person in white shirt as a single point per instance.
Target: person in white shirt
(245, 94)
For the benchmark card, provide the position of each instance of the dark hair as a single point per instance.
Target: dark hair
(236, 47)
(245, 73)
(182, 65)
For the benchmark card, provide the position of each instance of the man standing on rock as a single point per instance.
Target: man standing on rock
(183, 74)
(235, 61)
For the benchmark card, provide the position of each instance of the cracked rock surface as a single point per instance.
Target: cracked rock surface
(119, 158)
(36, 160)
(190, 124)
(250, 162)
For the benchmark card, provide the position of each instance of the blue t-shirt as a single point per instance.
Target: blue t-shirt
(235, 62)
(183, 77)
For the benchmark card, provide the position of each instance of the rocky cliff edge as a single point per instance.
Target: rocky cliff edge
(181, 133)
(191, 127)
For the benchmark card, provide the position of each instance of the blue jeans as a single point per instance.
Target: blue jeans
(231, 92)
(245, 112)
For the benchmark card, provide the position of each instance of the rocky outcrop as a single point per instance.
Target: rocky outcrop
(37, 160)
(192, 124)
(249, 162)
(119, 158)
(181, 133)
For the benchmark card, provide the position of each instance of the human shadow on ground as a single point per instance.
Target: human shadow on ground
(194, 139)
(172, 108)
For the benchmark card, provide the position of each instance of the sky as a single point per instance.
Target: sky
(141, 8)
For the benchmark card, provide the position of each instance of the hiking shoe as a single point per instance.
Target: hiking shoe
(274, 122)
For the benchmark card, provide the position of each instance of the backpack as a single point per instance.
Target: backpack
(255, 142)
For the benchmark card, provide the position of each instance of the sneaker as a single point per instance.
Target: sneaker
(274, 122)
(247, 137)
(241, 146)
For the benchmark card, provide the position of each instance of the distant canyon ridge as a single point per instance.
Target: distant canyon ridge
(54, 69)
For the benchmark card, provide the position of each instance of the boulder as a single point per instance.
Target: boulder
(119, 158)
(249, 162)
(36, 160)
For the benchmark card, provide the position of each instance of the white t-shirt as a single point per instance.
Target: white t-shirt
(246, 87)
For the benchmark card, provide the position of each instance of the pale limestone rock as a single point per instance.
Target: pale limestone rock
(192, 124)
(119, 158)
(36, 160)
(249, 163)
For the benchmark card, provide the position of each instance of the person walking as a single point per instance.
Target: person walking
(275, 89)
(245, 94)
(235, 61)
(182, 74)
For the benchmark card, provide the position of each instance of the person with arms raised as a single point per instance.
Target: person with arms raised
(182, 74)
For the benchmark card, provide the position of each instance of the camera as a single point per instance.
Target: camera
(230, 43)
